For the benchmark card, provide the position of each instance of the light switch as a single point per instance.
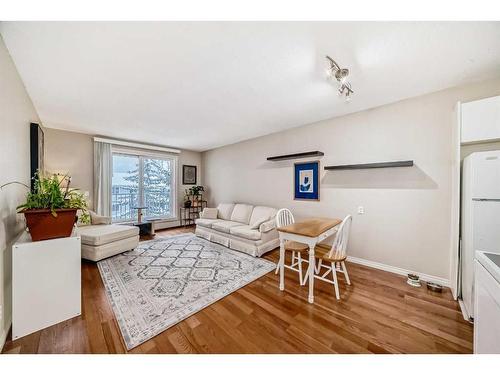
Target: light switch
(361, 210)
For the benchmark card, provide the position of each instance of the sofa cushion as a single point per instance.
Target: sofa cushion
(207, 223)
(241, 213)
(247, 232)
(224, 211)
(261, 214)
(225, 225)
(96, 235)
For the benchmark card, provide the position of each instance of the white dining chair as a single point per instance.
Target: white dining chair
(334, 256)
(285, 217)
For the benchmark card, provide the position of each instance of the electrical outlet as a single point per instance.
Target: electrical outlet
(361, 210)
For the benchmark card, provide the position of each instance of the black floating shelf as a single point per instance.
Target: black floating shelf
(390, 164)
(300, 155)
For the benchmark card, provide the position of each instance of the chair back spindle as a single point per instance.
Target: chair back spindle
(339, 246)
(284, 217)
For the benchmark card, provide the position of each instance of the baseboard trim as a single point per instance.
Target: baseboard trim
(167, 224)
(465, 313)
(400, 271)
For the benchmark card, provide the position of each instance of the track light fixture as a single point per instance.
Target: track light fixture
(340, 74)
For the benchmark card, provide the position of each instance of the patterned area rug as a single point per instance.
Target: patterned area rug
(165, 280)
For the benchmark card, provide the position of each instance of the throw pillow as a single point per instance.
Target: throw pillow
(98, 219)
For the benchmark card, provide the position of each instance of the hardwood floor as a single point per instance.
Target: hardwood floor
(378, 313)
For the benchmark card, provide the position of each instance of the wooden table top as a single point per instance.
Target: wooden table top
(311, 227)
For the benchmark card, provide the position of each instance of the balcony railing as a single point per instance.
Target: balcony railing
(122, 206)
(157, 201)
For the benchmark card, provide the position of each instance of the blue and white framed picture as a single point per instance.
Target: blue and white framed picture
(307, 181)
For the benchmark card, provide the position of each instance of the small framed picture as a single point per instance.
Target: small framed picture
(189, 174)
(306, 181)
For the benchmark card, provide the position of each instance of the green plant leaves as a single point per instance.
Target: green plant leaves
(48, 194)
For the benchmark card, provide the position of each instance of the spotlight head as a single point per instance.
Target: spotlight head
(340, 75)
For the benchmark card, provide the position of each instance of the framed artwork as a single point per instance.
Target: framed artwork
(306, 181)
(36, 151)
(189, 174)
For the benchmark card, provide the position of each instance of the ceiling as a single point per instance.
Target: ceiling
(201, 85)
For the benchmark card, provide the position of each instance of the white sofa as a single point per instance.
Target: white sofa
(102, 239)
(241, 227)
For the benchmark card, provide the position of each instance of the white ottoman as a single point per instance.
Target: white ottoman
(103, 241)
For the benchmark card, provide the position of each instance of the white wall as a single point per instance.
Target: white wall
(188, 158)
(407, 216)
(16, 113)
(72, 153)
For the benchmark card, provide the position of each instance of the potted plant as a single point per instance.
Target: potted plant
(50, 209)
(187, 201)
(196, 190)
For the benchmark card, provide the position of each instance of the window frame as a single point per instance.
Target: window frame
(142, 154)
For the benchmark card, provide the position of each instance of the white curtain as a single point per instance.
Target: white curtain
(103, 172)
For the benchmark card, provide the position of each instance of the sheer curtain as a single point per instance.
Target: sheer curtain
(103, 173)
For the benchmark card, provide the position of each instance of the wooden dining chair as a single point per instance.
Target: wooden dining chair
(334, 256)
(285, 217)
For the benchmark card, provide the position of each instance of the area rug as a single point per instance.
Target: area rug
(164, 281)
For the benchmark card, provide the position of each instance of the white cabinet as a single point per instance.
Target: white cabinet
(46, 283)
(480, 120)
(487, 305)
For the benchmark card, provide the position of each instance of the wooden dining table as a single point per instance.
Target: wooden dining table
(310, 232)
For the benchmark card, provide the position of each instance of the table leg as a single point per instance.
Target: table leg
(310, 270)
(282, 264)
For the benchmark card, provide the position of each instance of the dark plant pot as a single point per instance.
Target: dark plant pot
(187, 204)
(42, 225)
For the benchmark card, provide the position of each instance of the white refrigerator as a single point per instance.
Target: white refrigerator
(480, 229)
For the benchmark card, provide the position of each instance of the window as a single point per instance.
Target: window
(142, 181)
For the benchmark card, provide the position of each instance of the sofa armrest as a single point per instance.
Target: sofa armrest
(209, 213)
(99, 219)
(267, 226)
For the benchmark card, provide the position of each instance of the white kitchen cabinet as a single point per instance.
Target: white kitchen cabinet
(46, 283)
(487, 303)
(480, 120)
